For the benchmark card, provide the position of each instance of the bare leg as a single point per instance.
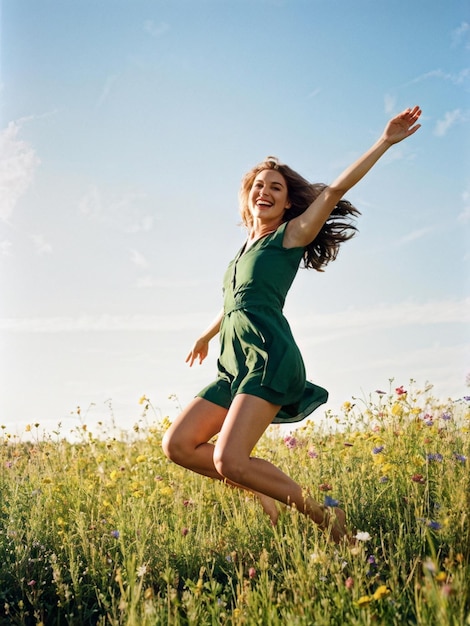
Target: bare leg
(186, 443)
(246, 421)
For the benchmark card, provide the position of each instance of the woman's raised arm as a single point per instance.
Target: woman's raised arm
(303, 229)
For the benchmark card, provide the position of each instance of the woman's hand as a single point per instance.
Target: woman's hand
(198, 351)
(402, 125)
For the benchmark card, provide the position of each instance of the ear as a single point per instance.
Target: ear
(288, 205)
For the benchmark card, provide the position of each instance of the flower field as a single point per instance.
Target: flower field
(102, 529)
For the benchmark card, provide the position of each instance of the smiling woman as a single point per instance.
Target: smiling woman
(261, 374)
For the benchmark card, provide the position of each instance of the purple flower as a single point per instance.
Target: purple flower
(460, 457)
(384, 479)
(371, 560)
(467, 398)
(381, 393)
(377, 449)
(329, 501)
(435, 456)
(434, 525)
(312, 453)
(291, 442)
(446, 417)
(115, 534)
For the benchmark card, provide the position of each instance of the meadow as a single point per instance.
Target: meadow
(100, 528)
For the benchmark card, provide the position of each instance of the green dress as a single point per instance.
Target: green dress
(258, 354)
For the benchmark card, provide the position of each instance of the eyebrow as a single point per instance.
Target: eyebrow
(273, 182)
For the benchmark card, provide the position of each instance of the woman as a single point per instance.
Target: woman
(261, 376)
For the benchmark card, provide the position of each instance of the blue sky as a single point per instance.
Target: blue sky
(125, 130)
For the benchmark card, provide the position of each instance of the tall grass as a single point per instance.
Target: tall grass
(104, 530)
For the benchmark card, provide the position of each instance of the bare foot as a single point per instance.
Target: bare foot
(269, 507)
(334, 523)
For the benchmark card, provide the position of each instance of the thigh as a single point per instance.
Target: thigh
(246, 421)
(197, 423)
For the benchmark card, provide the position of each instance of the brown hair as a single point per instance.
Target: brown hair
(324, 248)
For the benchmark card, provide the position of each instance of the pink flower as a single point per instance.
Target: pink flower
(184, 531)
(400, 391)
(349, 583)
(252, 573)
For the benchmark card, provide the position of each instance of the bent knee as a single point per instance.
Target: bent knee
(230, 466)
(173, 448)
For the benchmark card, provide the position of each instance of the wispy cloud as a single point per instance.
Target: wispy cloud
(415, 234)
(314, 93)
(464, 215)
(456, 78)
(120, 210)
(448, 311)
(41, 246)
(5, 247)
(138, 259)
(386, 317)
(390, 103)
(18, 162)
(106, 90)
(154, 29)
(104, 323)
(450, 119)
(461, 36)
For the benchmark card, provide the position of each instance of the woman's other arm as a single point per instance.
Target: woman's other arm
(200, 348)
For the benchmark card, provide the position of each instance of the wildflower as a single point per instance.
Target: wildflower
(371, 559)
(362, 536)
(115, 534)
(143, 400)
(400, 391)
(435, 456)
(27, 428)
(252, 573)
(441, 577)
(141, 458)
(380, 393)
(381, 592)
(312, 453)
(377, 449)
(460, 457)
(430, 566)
(142, 570)
(446, 417)
(434, 525)
(291, 442)
(384, 479)
(148, 594)
(329, 501)
(349, 583)
(363, 601)
(347, 406)
(325, 487)
(184, 531)
(418, 478)
(31, 583)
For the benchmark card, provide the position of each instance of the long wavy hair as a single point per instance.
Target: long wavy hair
(338, 227)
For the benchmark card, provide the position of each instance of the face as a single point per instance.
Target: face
(268, 197)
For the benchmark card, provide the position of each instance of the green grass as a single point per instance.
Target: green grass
(104, 530)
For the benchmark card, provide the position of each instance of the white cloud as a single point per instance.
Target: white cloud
(450, 119)
(106, 90)
(456, 78)
(18, 162)
(5, 247)
(464, 215)
(156, 30)
(415, 234)
(461, 35)
(40, 244)
(120, 210)
(450, 311)
(138, 259)
(390, 103)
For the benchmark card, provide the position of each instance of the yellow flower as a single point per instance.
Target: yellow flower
(381, 592)
(114, 475)
(166, 490)
(441, 577)
(27, 428)
(143, 400)
(363, 601)
(397, 409)
(141, 458)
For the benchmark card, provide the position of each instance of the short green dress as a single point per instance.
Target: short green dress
(258, 354)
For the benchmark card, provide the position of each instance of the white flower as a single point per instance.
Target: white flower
(142, 570)
(363, 536)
